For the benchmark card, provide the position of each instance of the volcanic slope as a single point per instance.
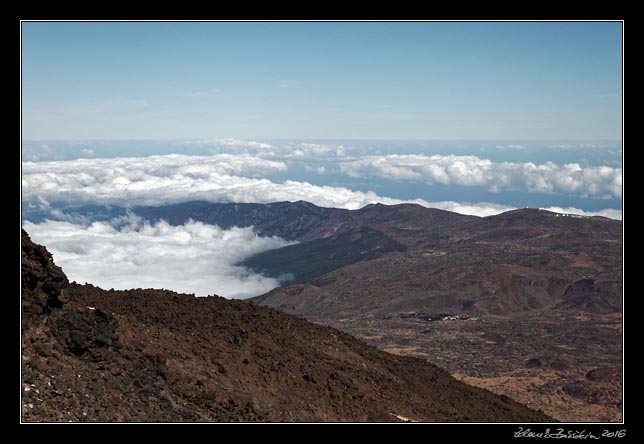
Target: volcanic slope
(154, 355)
(526, 303)
(514, 262)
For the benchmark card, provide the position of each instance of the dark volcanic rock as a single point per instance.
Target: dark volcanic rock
(152, 355)
(42, 281)
(89, 333)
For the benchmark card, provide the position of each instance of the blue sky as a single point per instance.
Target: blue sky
(322, 80)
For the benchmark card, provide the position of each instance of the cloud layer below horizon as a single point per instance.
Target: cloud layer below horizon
(160, 180)
(469, 171)
(190, 258)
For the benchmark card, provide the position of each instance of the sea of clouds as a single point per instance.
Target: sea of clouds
(164, 179)
(190, 258)
(470, 171)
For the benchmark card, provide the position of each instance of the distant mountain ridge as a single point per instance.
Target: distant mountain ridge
(288, 220)
(331, 239)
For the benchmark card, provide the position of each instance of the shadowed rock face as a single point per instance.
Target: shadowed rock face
(42, 281)
(154, 355)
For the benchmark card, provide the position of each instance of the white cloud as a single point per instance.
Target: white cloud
(309, 150)
(582, 145)
(141, 180)
(231, 146)
(244, 143)
(191, 258)
(149, 186)
(159, 180)
(302, 150)
(473, 171)
(120, 178)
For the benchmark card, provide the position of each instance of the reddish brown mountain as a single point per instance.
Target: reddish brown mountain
(514, 262)
(525, 303)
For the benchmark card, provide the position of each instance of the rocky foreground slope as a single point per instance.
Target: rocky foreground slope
(153, 355)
